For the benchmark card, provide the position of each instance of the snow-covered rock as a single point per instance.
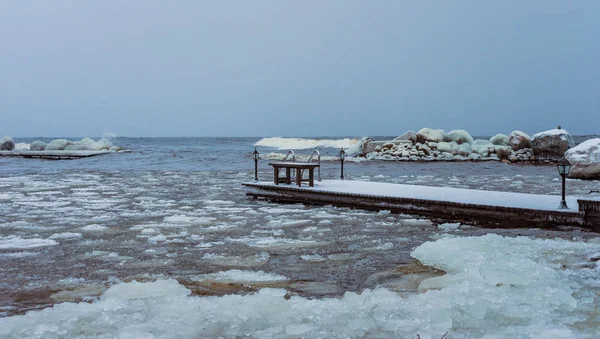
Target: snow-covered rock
(482, 147)
(428, 134)
(552, 143)
(459, 136)
(502, 151)
(585, 160)
(444, 147)
(58, 144)
(446, 156)
(519, 140)
(464, 149)
(37, 146)
(410, 135)
(388, 145)
(7, 144)
(500, 139)
(475, 156)
(368, 145)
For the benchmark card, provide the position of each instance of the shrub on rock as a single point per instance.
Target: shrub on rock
(519, 140)
(7, 143)
(459, 136)
(500, 139)
(585, 160)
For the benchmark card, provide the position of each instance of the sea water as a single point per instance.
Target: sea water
(162, 242)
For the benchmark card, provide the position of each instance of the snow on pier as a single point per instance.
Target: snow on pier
(487, 208)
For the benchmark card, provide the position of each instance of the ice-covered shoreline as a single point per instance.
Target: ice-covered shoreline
(494, 287)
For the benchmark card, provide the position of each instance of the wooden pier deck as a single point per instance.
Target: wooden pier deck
(53, 155)
(483, 208)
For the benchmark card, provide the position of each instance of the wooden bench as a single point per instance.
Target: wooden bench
(299, 167)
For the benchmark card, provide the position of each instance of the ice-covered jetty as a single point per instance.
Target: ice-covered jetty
(58, 148)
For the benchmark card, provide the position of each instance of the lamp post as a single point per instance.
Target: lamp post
(255, 157)
(564, 167)
(342, 156)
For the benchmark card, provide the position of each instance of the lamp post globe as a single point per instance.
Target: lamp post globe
(255, 157)
(342, 157)
(564, 167)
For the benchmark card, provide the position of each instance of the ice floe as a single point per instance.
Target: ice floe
(16, 242)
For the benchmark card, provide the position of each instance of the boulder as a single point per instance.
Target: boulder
(551, 144)
(481, 147)
(475, 156)
(446, 156)
(368, 145)
(459, 136)
(444, 147)
(464, 150)
(502, 151)
(403, 143)
(428, 134)
(519, 140)
(37, 146)
(500, 139)
(7, 144)
(585, 160)
(388, 145)
(424, 148)
(410, 136)
(58, 144)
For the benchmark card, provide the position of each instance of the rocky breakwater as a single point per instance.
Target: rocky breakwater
(458, 145)
(585, 160)
(86, 144)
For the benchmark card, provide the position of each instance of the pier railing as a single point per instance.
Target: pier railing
(318, 161)
(288, 154)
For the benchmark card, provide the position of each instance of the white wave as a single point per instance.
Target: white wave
(21, 146)
(495, 287)
(299, 143)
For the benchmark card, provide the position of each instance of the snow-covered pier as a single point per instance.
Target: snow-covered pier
(484, 208)
(54, 155)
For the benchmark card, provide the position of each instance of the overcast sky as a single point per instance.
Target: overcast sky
(297, 68)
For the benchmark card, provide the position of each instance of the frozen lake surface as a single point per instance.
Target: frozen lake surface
(163, 243)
